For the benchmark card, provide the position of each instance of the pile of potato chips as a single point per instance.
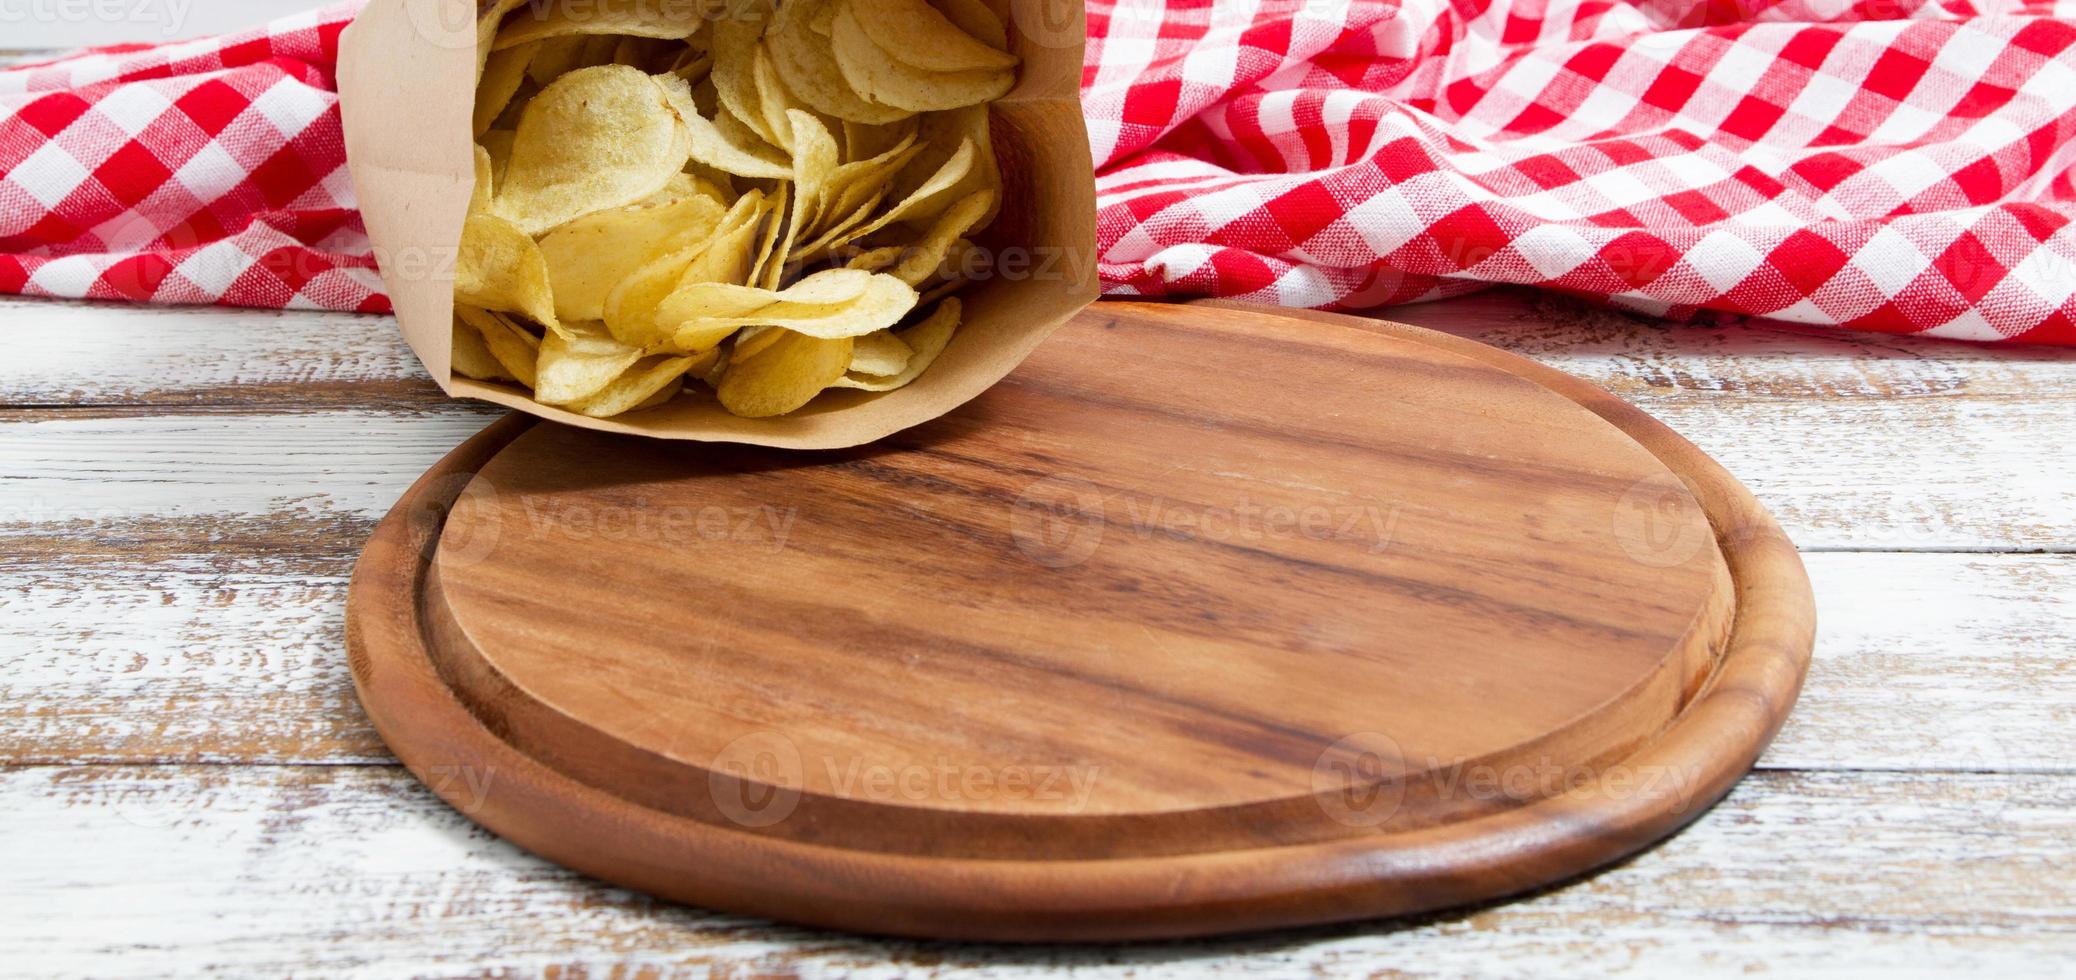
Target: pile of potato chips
(772, 196)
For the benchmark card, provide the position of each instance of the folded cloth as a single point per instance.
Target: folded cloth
(1892, 165)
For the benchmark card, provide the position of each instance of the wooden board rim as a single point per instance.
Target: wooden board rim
(1710, 745)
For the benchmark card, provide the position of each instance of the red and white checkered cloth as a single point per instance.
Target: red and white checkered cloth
(1894, 165)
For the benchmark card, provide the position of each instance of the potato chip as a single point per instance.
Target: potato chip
(486, 181)
(755, 201)
(596, 138)
(879, 353)
(776, 102)
(714, 304)
(691, 65)
(488, 20)
(875, 259)
(645, 385)
(501, 77)
(638, 18)
(558, 56)
(884, 301)
(863, 141)
(589, 256)
(724, 142)
(880, 78)
(815, 159)
(579, 363)
(729, 255)
(515, 349)
(927, 339)
(976, 18)
(774, 240)
(750, 340)
(497, 143)
(924, 257)
(950, 175)
(498, 267)
(943, 133)
(631, 307)
(918, 35)
(736, 49)
(471, 357)
(810, 71)
(783, 376)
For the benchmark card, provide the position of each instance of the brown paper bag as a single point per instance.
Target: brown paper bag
(406, 89)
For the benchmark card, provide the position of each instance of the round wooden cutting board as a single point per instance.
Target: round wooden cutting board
(1208, 618)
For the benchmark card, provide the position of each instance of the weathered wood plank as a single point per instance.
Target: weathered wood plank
(1855, 442)
(1926, 662)
(1852, 440)
(72, 354)
(118, 871)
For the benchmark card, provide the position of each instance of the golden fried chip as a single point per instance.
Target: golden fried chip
(783, 376)
(809, 69)
(863, 141)
(515, 349)
(471, 357)
(775, 101)
(486, 182)
(501, 77)
(736, 49)
(917, 34)
(645, 385)
(497, 143)
(724, 142)
(596, 138)
(631, 307)
(497, 267)
(488, 20)
(579, 363)
(621, 18)
(750, 340)
(975, 17)
(884, 301)
(925, 257)
(944, 132)
(589, 256)
(774, 240)
(927, 339)
(879, 353)
(880, 78)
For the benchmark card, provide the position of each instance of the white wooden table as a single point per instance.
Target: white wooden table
(190, 783)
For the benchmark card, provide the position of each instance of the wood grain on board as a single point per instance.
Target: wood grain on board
(1927, 662)
(1206, 619)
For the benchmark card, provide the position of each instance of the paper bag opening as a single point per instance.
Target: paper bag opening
(406, 91)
